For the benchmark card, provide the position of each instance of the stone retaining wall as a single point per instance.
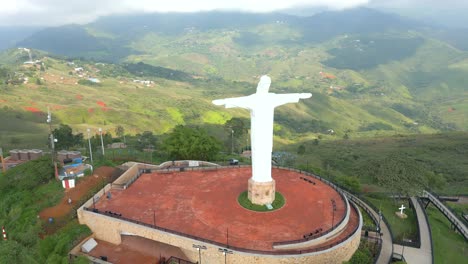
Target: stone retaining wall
(111, 229)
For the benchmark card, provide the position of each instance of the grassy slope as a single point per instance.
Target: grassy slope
(25, 191)
(222, 58)
(295, 67)
(442, 153)
(449, 247)
(168, 103)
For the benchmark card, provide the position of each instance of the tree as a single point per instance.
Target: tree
(120, 131)
(238, 125)
(96, 140)
(191, 143)
(301, 149)
(146, 140)
(236, 128)
(65, 137)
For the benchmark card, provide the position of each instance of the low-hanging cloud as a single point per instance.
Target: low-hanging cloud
(59, 12)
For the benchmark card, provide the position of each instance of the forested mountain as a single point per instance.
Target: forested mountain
(370, 72)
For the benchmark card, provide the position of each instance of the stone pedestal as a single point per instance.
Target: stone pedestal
(401, 215)
(261, 192)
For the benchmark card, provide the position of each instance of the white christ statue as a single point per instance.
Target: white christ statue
(261, 106)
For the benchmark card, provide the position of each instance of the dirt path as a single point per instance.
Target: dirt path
(83, 185)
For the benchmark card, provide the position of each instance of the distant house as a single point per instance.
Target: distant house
(117, 145)
(246, 154)
(94, 80)
(147, 82)
(79, 69)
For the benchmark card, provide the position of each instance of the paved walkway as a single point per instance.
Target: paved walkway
(387, 242)
(452, 217)
(422, 255)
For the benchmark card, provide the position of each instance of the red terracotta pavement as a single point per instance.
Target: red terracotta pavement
(204, 204)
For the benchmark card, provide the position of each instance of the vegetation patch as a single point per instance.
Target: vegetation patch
(143, 69)
(402, 229)
(368, 52)
(24, 191)
(449, 247)
(245, 202)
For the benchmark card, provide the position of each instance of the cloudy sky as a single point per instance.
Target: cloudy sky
(59, 12)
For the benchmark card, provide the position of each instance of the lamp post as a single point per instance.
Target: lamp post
(199, 249)
(51, 137)
(102, 142)
(403, 250)
(89, 143)
(334, 209)
(225, 252)
(378, 227)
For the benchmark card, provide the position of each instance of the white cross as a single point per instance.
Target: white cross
(401, 209)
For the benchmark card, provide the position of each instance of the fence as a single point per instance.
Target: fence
(449, 214)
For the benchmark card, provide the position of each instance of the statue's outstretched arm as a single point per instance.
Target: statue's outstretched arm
(242, 102)
(281, 99)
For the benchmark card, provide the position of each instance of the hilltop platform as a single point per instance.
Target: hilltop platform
(204, 204)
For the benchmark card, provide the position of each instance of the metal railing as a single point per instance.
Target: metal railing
(449, 214)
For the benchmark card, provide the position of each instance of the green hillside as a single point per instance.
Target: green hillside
(160, 106)
(380, 78)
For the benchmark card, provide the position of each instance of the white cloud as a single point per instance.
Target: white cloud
(245, 5)
(58, 12)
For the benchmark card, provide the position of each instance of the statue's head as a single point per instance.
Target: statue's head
(264, 84)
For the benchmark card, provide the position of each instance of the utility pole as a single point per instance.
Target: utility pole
(2, 160)
(102, 142)
(90, 149)
(52, 142)
(51, 135)
(232, 141)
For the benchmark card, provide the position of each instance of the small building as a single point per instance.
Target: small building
(246, 154)
(64, 155)
(117, 145)
(94, 80)
(18, 156)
